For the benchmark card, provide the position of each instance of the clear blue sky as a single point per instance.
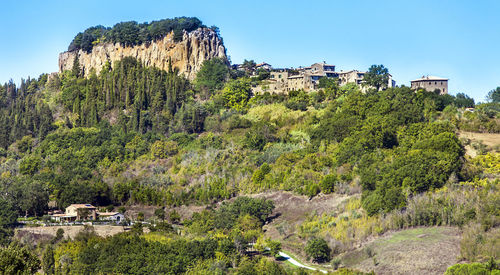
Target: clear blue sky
(457, 39)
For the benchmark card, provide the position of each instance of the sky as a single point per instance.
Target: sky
(459, 40)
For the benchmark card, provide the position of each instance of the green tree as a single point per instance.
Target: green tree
(330, 86)
(76, 69)
(30, 165)
(274, 246)
(464, 101)
(8, 214)
(48, 262)
(211, 76)
(16, 259)
(377, 77)
(327, 183)
(494, 95)
(318, 250)
(236, 94)
(249, 65)
(163, 149)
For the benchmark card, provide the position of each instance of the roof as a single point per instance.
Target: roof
(296, 76)
(262, 64)
(89, 206)
(430, 77)
(108, 213)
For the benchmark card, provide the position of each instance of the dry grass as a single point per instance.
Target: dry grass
(492, 141)
(425, 250)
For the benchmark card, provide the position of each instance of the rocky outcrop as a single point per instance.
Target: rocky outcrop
(186, 55)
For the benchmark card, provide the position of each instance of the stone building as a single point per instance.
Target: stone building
(431, 84)
(307, 79)
(77, 209)
(352, 76)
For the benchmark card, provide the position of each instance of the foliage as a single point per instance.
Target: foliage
(48, 264)
(8, 215)
(163, 149)
(377, 77)
(472, 268)
(318, 250)
(150, 96)
(16, 259)
(494, 95)
(236, 94)
(132, 33)
(23, 113)
(211, 76)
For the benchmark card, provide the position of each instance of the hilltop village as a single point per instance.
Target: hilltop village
(284, 80)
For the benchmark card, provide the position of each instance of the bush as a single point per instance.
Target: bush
(472, 268)
(327, 184)
(163, 149)
(259, 135)
(318, 250)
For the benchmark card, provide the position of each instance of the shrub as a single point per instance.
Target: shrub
(327, 184)
(318, 250)
(472, 268)
(163, 149)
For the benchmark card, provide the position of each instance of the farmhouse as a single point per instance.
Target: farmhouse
(79, 212)
(431, 84)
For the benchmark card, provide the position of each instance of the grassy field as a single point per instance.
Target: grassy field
(426, 250)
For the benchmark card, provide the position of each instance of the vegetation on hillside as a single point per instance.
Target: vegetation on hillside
(137, 135)
(131, 33)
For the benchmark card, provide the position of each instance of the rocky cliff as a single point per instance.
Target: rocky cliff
(187, 55)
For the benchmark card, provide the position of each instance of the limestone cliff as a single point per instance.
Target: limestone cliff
(187, 55)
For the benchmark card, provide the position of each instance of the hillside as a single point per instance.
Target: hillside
(345, 179)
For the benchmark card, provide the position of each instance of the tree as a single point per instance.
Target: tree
(76, 70)
(163, 149)
(48, 262)
(330, 86)
(274, 246)
(377, 77)
(249, 65)
(236, 94)
(464, 101)
(8, 214)
(327, 184)
(16, 259)
(318, 249)
(83, 213)
(494, 95)
(211, 76)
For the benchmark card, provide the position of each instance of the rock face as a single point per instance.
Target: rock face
(186, 55)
